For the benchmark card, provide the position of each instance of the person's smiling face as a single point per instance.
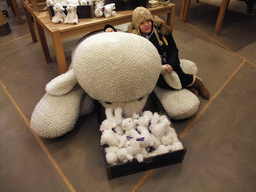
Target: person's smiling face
(146, 26)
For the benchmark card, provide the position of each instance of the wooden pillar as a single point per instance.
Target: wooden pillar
(4, 25)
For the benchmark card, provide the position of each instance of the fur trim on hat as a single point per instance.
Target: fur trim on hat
(164, 29)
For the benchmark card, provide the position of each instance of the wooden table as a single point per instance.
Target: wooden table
(185, 7)
(61, 31)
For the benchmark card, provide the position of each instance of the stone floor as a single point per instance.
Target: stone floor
(220, 137)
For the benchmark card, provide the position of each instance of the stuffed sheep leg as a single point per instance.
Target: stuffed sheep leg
(58, 110)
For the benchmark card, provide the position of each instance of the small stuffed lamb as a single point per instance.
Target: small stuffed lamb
(72, 14)
(169, 136)
(98, 12)
(128, 125)
(159, 125)
(110, 138)
(49, 3)
(112, 121)
(149, 139)
(111, 155)
(59, 14)
(134, 149)
(109, 10)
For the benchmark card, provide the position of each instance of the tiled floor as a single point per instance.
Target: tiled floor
(220, 138)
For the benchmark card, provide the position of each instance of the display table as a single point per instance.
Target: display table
(61, 31)
(185, 7)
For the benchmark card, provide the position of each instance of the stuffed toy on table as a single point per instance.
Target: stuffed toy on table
(117, 69)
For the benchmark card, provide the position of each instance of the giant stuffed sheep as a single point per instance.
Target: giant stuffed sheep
(117, 69)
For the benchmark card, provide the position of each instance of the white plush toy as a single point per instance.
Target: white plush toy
(162, 149)
(111, 155)
(169, 137)
(98, 12)
(177, 145)
(110, 138)
(112, 121)
(124, 156)
(59, 15)
(49, 3)
(159, 125)
(110, 128)
(99, 3)
(72, 14)
(129, 125)
(83, 2)
(149, 139)
(133, 148)
(123, 79)
(107, 10)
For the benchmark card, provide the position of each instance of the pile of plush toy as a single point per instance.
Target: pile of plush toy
(71, 8)
(137, 137)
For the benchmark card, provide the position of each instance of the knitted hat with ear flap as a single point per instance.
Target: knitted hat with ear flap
(140, 15)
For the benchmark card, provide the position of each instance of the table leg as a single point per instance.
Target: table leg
(59, 52)
(184, 10)
(223, 8)
(17, 11)
(43, 42)
(30, 24)
(170, 18)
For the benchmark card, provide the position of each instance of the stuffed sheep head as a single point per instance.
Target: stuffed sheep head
(117, 69)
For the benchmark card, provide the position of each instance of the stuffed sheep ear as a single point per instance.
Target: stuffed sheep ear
(62, 84)
(172, 79)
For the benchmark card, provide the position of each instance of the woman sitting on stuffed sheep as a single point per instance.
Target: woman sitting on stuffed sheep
(156, 31)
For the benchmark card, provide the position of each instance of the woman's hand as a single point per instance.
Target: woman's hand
(168, 68)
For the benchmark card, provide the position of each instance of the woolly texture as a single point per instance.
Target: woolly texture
(55, 116)
(62, 84)
(117, 67)
(172, 79)
(179, 104)
(188, 66)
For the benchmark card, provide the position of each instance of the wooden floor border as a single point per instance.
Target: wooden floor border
(14, 40)
(69, 185)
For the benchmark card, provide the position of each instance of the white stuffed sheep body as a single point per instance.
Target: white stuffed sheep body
(119, 70)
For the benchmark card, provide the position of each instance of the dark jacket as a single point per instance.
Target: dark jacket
(168, 51)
